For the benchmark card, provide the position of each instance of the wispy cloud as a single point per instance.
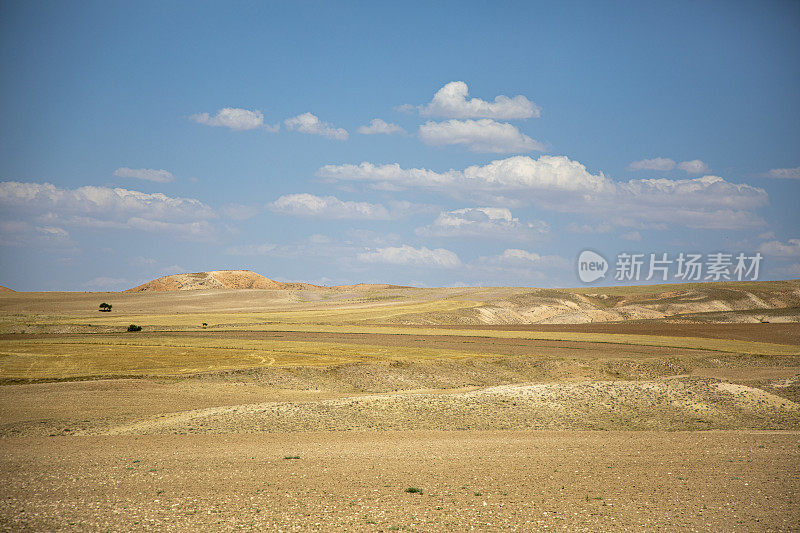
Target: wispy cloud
(410, 256)
(147, 174)
(695, 166)
(483, 222)
(330, 207)
(791, 248)
(783, 173)
(664, 164)
(657, 163)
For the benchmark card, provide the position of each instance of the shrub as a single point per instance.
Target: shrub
(134, 327)
(414, 490)
(105, 307)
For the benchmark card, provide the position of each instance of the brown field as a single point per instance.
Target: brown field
(681, 413)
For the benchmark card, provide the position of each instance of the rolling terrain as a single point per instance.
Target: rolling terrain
(670, 407)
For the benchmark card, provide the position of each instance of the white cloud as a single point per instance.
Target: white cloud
(483, 135)
(308, 123)
(524, 258)
(149, 174)
(408, 255)
(483, 222)
(602, 227)
(251, 249)
(632, 236)
(658, 163)
(106, 284)
(379, 126)
(516, 173)
(236, 119)
(783, 173)
(792, 270)
(789, 249)
(560, 184)
(104, 207)
(694, 166)
(327, 207)
(24, 233)
(663, 164)
(451, 102)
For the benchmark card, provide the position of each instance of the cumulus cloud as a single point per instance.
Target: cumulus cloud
(235, 119)
(791, 248)
(516, 173)
(560, 184)
(658, 163)
(104, 207)
(695, 166)
(148, 174)
(483, 222)
(410, 256)
(483, 135)
(378, 126)
(311, 124)
(327, 207)
(783, 173)
(451, 102)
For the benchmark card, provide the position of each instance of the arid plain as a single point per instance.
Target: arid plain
(251, 404)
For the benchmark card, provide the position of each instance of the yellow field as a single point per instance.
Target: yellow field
(92, 356)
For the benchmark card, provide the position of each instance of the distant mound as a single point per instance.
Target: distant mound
(216, 279)
(6, 289)
(369, 286)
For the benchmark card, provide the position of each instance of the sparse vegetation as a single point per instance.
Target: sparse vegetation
(134, 327)
(291, 457)
(414, 490)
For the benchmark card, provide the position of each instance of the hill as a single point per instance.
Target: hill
(216, 279)
(6, 289)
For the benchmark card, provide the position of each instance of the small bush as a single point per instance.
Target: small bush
(292, 457)
(134, 327)
(414, 490)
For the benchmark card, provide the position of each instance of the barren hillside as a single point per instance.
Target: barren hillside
(216, 279)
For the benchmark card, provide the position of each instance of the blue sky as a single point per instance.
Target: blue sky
(146, 139)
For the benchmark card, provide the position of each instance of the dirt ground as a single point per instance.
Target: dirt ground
(358, 481)
(584, 433)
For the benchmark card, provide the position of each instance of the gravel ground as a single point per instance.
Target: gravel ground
(357, 481)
